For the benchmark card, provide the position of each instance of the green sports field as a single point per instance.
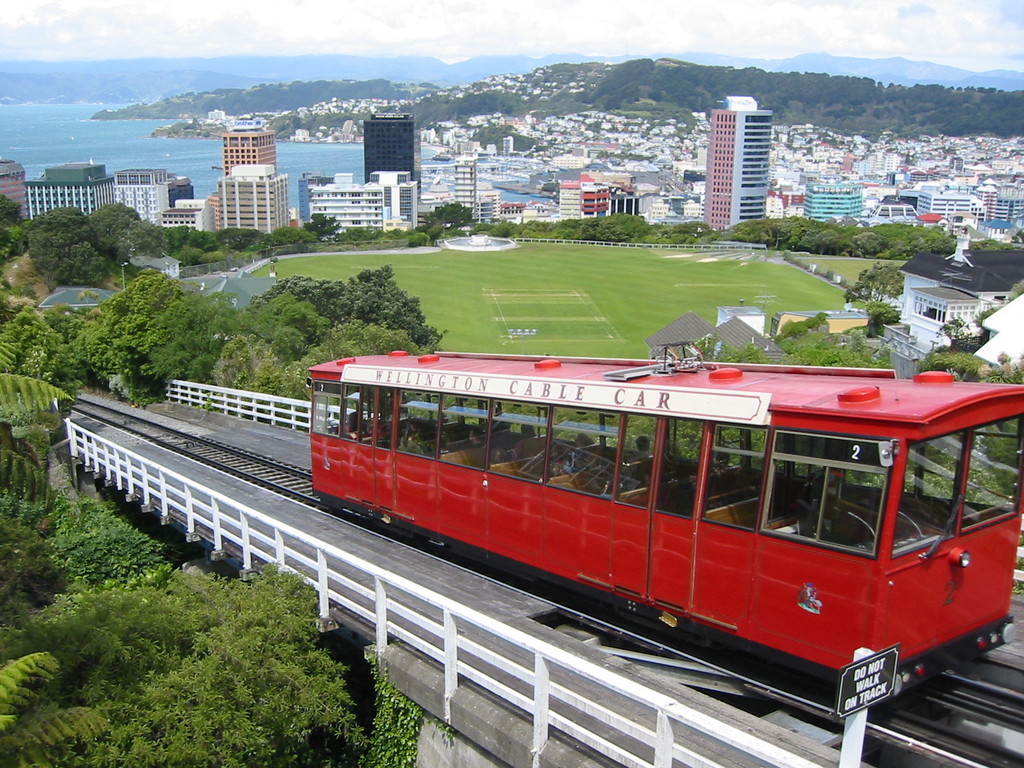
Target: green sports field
(575, 300)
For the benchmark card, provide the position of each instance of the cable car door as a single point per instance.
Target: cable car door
(383, 458)
(724, 538)
(671, 549)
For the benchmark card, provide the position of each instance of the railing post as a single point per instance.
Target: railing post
(541, 704)
(323, 585)
(380, 605)
(218, 532)
(279, 555)
(243, 525)
(663, 741)
(451, 662)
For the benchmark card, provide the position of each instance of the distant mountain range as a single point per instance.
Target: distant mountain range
(129, 81)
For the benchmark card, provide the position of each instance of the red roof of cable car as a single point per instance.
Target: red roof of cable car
(869, 393)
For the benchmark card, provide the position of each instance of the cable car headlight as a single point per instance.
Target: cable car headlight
(960, 557)
(1009, 633)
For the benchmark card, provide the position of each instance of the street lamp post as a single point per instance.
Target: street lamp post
(123, 265)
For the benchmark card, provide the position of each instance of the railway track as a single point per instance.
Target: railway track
(286, 479)
(949, 721)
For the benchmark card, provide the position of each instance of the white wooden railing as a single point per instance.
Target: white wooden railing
(255, 406)
(542, 681)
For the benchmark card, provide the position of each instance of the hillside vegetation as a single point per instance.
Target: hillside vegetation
(662, 88)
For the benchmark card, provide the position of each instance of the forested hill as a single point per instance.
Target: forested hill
(275, 97)
(661, 88)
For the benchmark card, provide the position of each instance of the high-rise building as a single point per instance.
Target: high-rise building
(465, 183)
(738, 169)
(253, 197)
(12, 182)
(391, 143)
(85, 186)
(248, 144)
(146, 190)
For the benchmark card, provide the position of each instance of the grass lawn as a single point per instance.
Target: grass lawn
(849, 268)
(579, 300)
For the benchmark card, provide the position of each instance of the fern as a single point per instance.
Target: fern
(27, 393)
(17, 675)
(21, 477)
(27, 729)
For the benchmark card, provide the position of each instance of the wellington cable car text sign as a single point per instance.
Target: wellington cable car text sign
(867, 681)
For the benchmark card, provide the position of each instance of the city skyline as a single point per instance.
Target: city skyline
(984, 35)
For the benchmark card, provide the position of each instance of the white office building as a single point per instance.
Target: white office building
(388, 201)
(197, 214)
(466, 183)
(146, 190)
(253, 197)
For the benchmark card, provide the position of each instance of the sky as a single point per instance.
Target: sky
(977, 35)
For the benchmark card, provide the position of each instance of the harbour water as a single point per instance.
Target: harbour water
(40, 136)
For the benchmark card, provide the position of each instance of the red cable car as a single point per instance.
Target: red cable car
(802, 513)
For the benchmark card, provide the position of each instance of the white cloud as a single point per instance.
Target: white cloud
(975, 35)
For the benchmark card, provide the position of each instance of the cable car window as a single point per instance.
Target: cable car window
(326, 408)
(385, 417)
(637, 460)
(735, 474)
(929, 502)
(417, 422)
(828, 489)
(584, 445)
(358, 404)
(463, 436)
(680, 460)
(518, 436)
(993, 473)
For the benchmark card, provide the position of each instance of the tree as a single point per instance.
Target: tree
(64, 248)
(880, 314)
(371, 297)
(289, 325)
(199, 328)
(286, 236)
(119, 345)
(39, 351)
(882, 282)
(237, 239)
(30, 577)
(111, 224)
(143, 238)
(29, 730)
(323, 228)
(448, 216)
(178, 238)
(10, 212)
(224, 673)
(375, 298)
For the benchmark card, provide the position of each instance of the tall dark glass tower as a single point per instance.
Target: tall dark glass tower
(390, 143)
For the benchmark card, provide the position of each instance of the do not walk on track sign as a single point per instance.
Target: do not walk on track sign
(867, 681)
